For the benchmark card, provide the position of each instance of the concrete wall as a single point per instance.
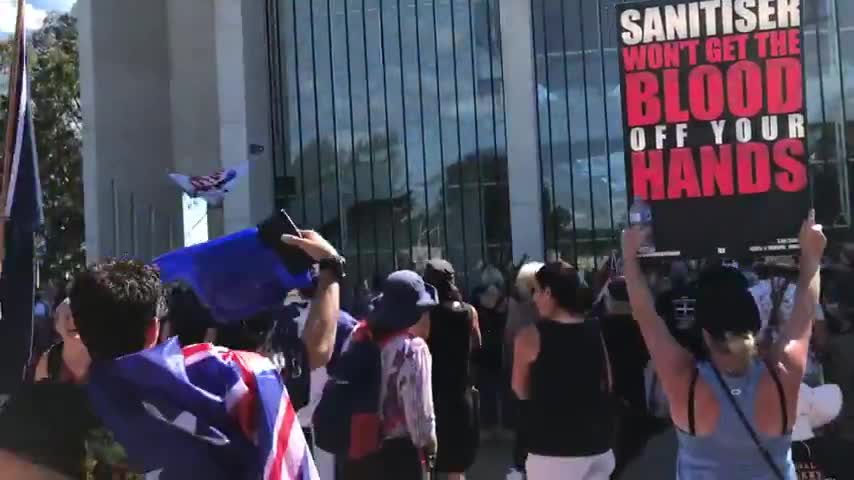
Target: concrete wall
(127, 127)
(170, 86)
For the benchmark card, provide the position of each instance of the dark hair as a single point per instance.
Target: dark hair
(186, 314)
(113, 303)
(250, 334)
(47, 424)
(565, 286)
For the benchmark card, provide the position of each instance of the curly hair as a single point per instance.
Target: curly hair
(114, 303)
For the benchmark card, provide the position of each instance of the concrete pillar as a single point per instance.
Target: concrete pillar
(520, 97)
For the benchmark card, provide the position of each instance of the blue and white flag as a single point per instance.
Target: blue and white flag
(201, 412)
(212, 188)
(235, 276)
(21, 214)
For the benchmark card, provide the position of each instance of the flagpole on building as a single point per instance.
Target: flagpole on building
(19, 42)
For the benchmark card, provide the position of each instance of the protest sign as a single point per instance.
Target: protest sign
(715, 123)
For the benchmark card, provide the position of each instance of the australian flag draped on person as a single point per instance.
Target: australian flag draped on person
(21, 220)
(201, 412)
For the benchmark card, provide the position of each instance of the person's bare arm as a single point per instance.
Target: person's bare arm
(525, 350)
(321, 325)
(672, 363)
(41, 372)
(476, 337)
(791, 349)
(322, 322)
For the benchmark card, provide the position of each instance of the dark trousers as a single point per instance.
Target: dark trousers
(398, 460)
(490, 384)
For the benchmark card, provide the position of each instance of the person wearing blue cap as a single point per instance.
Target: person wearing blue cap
(398, 322)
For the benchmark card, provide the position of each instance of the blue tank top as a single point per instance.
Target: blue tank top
(729, 452)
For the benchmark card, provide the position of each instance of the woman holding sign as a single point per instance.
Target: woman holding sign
(734, 412)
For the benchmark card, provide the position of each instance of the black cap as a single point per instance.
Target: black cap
(725, 304)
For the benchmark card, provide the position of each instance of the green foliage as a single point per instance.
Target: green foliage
(54, 75)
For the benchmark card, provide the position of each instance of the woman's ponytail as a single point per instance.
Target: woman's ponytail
(743, 347)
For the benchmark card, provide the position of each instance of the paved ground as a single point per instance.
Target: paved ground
(656, 462)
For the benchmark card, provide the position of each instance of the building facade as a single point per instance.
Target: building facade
(476, 130)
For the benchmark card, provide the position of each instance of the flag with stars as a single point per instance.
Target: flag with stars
(201, 412)
(20, 221)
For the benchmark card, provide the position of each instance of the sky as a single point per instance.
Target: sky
(36, 11)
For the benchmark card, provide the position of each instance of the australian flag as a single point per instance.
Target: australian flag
(201, 412)
(21, 220)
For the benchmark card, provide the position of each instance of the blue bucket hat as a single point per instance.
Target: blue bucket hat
(404, 298)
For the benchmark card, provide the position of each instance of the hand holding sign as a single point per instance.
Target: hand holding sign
(813, 240)
(633, 238)
(311, 243)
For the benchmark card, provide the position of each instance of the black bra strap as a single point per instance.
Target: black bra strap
(691, 413)
(783, 408)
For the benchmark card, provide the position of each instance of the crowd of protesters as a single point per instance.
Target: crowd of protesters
(749, 363)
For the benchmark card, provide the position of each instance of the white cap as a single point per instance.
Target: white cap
(816, 407)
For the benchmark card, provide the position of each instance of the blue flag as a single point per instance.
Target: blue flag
(201, 412)
(235, 276)
(22, 217)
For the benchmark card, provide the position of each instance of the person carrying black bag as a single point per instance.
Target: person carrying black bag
(454, 335)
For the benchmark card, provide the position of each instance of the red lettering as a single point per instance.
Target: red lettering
(656, 56)
(717, 170)
(634, 58)
(643, 107)
(682, 175)
(744, 89)
(673, 111)
(789, 156)
(794, 41)
(754, 168)
(762, 43)
(784, 85)
(672, 54)
(648, 178)
(706, 92)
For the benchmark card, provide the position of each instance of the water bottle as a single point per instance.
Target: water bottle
(640, 215)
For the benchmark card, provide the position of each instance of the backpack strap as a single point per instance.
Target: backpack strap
(782, 394)
(692, 387)
(54, 362)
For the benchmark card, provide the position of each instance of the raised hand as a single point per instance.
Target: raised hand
(632, 240)
(311, 243)
(812, 239)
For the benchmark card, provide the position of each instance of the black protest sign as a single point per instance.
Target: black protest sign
(715, 123)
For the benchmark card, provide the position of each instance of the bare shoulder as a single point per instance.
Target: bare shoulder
(528, 341)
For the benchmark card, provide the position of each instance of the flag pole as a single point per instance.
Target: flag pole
(11, 126)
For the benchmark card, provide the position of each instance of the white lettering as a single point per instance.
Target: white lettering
(681, 134)
(653, 26)
(796, 126)
(637, 139)
(676, 22)
(788, 13)
(718, 129)
(726, 17)
(746, 21)
(709, 7)
(766, 15)
(770, 128)
(743, 130)
(660, 136)
(632, 32)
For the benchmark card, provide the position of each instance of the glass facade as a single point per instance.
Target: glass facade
(580, 120)
(390, 132)
(389, 129)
